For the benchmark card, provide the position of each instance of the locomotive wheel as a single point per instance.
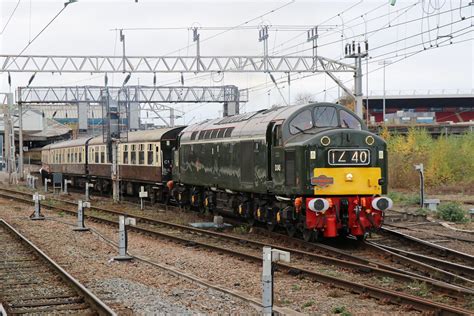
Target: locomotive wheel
(251, 220)
(291, 230)
(308, 235)
(271, 226)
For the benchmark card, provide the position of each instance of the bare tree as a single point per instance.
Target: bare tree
(303, 98)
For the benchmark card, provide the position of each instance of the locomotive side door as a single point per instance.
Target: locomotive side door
(275, 166)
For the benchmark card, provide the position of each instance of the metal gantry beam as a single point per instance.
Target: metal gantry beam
(169, 64)
(140, 94)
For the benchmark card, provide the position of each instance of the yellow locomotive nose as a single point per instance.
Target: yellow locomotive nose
(349, 180)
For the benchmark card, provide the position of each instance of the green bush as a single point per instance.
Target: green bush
(452, 212)
(447, 159)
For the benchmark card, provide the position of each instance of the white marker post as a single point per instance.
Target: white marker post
(66, 182)
(269, 256)
(123, 237)
(142, 194)
(88, 185)
(37, 214)
(80, 216)
(33, 179)
(45, 184)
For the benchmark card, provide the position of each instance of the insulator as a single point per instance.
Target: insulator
(9, 80)
(346, 50)
(154, 79)
(366, 46)
(358, 48)
(353, 46)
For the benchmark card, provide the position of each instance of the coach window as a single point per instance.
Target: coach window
(97, 149)
(133, 154)
(141, 154)
(149, 154)
(348, 120)
(325, 116)
(79, 155)
(125, 154)
(102, 154)
(214, 133)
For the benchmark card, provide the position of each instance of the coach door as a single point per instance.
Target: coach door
(167, 159)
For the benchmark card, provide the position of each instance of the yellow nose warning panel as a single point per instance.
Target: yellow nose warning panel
(339, 181)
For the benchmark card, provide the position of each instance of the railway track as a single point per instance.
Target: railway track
(446, 259)
(241, 247)
(31, 283)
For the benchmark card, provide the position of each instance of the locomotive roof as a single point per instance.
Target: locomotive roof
(247, 125)
(251, 125)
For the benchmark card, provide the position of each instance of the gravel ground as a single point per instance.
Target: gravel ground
(125, 286)
(130, 278)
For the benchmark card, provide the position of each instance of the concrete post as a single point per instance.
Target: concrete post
(37, 214)
(269, 256)
(66, 182)
(142, 194)
(33, 179)
(20, 140)
(80, 216)
(422, 183)
(267, 282)
(123, 238)
(46, 184)
(88, 185)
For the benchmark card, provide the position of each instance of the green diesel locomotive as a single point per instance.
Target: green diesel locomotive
(312, 169)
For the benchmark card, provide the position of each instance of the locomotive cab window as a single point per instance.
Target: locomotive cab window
(325, 116)
(348, 120)
(301, 122)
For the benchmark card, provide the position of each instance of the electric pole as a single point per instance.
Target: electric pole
(356, 52)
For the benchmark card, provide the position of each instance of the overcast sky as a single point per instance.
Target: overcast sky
(86, 28)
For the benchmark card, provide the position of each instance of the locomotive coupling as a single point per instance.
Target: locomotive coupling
(382, 203)
(319, 205)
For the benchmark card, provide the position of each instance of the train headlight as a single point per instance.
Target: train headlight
(369, 140)
(382, 203)
(318, 205)
(325, 141)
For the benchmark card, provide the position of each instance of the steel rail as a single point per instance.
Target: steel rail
(374, 291)
(446, 265)
(93, 301)
(440, 250)
(352, 262)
